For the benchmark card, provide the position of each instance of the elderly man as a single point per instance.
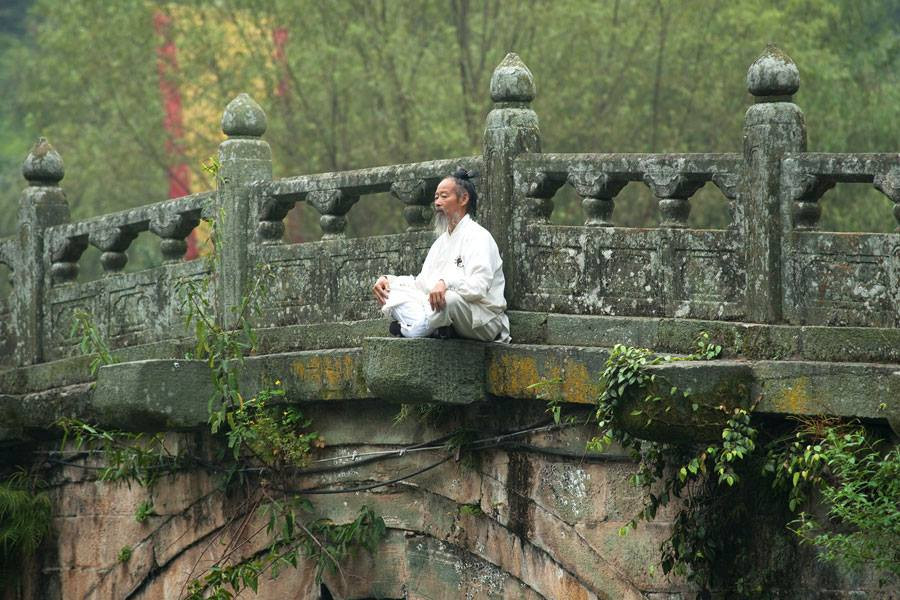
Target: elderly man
(460, 288)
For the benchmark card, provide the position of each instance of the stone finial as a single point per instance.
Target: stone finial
(773, 74)
(512, 81)
(243, 117)
(43, 164)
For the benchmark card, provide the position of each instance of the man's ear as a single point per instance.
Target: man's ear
(464, 200)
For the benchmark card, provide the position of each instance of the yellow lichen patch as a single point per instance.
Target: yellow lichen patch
(510, 376)
(578, 385)
(795, 398)
(329, 377)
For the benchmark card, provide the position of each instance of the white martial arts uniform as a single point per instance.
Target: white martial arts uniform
(469, 263)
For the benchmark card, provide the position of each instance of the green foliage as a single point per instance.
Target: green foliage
(274, 436)
(323, 542)
(688, 473)
(471, 510)
(92, 341)
(144, 511)
(857, 479)
(329, 544)
(625, 370)
(127, 456)
(625, 77)
(718, 529)
(261, 437)
(25, 520)
(550, 390)
(124, 554)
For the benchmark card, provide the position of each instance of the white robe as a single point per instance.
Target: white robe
(469, 262)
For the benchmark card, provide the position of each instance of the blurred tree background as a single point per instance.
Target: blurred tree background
(131, 92)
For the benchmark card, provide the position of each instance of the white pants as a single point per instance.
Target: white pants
(417, 319)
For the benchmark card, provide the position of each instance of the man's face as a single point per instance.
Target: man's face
(449, 203)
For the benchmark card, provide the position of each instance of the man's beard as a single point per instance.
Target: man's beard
(441, 223)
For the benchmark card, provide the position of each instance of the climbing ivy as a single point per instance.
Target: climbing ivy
(669, 471)
(723, 487)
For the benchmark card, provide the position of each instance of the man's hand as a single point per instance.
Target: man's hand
(436, 298)
(381, 289)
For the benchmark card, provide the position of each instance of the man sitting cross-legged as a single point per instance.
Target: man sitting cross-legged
(461, 283)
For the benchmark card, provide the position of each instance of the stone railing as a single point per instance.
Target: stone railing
(330, 280)
(127, 308)
(769, 266)
(602, 269)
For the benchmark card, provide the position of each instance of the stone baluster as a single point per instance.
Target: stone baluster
(729, 185)
(889, 184)
(270, 228)
(672, 190)
(538, 190)
(245, 159)
(43, 204)
(113, 242)
(333, 205)
(172, 230)
(511, 128)
(773, 126)
(416, 195)
(803, 191)
(64, 256)
(597, 191)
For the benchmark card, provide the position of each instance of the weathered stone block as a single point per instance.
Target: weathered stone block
(425, 370)
(148, 394)
(705, 393)
(816, 388)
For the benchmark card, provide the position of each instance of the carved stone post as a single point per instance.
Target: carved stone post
(772, 127)
(43, 205)
(172, 229)
(511, 128)
(244, 159)
(672, 191)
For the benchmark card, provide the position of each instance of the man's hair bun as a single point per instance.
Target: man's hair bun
(465, 175)
(463, 178)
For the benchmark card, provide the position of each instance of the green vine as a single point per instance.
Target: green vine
(718, 531)
(668, 471)
(264, 443)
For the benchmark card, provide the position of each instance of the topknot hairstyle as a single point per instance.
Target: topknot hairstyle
(463, 180)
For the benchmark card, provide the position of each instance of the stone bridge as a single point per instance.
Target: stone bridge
(809, 322)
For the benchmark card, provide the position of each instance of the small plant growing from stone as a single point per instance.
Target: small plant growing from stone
(144, 511)
(124, 554)
(91, 341)
(859, 481)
